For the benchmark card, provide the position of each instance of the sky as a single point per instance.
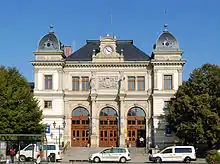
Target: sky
(195, 24)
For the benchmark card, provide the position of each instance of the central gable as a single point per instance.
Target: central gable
(108, 48)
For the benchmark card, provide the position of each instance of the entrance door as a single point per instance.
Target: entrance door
(80, 127)
(108, 137)
(108, 128)
(136, 126)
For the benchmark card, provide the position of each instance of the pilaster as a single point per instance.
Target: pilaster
(36, 70)
(155, 79)
(60, 77)
(122, 123)
(93, 122)
(180, 76)
(68, 119)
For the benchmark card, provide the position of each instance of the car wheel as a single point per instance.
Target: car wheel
(158, 160)
(96, 159)
(187, 160)
(122, 160)
(22, 158)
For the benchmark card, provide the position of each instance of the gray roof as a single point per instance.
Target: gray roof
(130, 51)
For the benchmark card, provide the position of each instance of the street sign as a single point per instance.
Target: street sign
(47, 129)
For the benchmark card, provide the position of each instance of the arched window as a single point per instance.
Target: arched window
(80, 111)
(136, 111)
(108, 111)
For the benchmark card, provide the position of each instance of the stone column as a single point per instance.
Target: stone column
(122, 123)
(93, 124)
(155, 79)
(180, 76)
(36, 79)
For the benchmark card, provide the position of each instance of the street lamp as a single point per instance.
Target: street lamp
(54, 125)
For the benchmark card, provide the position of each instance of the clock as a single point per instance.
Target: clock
(108, 50)
(167, 42)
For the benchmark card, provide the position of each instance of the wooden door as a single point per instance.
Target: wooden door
(80, 128)
(136, 126)
(80, 137)
(108, 128)
(108, 137)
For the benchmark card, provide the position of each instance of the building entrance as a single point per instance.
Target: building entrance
(108, 127)
(80, 127)
(136, 126)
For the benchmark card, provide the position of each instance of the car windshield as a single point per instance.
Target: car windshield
(106, 151)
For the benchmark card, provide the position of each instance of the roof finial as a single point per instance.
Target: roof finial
(165, 27)
(51, 28)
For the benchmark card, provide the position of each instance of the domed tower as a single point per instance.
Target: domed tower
(167, 76)
(167, 47)
(49, 48)
(49, 55)
(167, 59)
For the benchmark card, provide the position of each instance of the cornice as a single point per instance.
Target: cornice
(47, 63)
(168, 62)
(107, 64)
(48, 53)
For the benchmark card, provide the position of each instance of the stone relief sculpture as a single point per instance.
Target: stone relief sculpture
(92, 81)
(122, 81)
(108, 82)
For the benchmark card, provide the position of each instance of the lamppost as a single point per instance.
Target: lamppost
(54, 125)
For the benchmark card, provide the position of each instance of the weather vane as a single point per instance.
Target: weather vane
(51, 28)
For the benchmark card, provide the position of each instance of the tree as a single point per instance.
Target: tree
(19, 111)
(194, 113)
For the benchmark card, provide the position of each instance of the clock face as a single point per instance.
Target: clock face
(108, 50)
(167, 42)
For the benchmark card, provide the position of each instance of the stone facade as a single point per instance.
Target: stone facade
(108, 84)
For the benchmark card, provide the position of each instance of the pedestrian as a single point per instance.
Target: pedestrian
(12, 153)
(141, 141)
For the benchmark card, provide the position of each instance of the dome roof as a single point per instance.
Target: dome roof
(50, 43)
(166, 42)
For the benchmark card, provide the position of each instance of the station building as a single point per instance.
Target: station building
(108, 92)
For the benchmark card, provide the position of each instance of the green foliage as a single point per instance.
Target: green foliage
(194, 113)
(213, 157)
(19, 111)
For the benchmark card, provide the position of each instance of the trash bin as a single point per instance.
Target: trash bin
(52, 157)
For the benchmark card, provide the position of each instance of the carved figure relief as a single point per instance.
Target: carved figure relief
(92, 81)
(108, 82)
(122, 81)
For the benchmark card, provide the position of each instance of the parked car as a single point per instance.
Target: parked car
(33, 151)
(118, 154)
(174, 154)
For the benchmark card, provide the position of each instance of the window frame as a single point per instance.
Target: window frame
(76, 82)
(48, 106)
(167, 82)
(140, 82)
(131, 80)
(165, 105)
(85, 83)
(47, 82)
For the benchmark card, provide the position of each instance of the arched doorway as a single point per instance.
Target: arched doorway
(80, 127)
(108, 127)
(136, 126)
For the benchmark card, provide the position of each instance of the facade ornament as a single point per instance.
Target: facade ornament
(108, 82)
(122, 81)
(92, 82)
(179, 70)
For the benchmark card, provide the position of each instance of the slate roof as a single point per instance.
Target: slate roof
(130, 51)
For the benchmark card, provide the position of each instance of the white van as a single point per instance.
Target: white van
(32, 150)
(175, 154)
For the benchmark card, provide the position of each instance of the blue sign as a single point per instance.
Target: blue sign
(47, 129)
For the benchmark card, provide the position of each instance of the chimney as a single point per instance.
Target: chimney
(68, 50)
